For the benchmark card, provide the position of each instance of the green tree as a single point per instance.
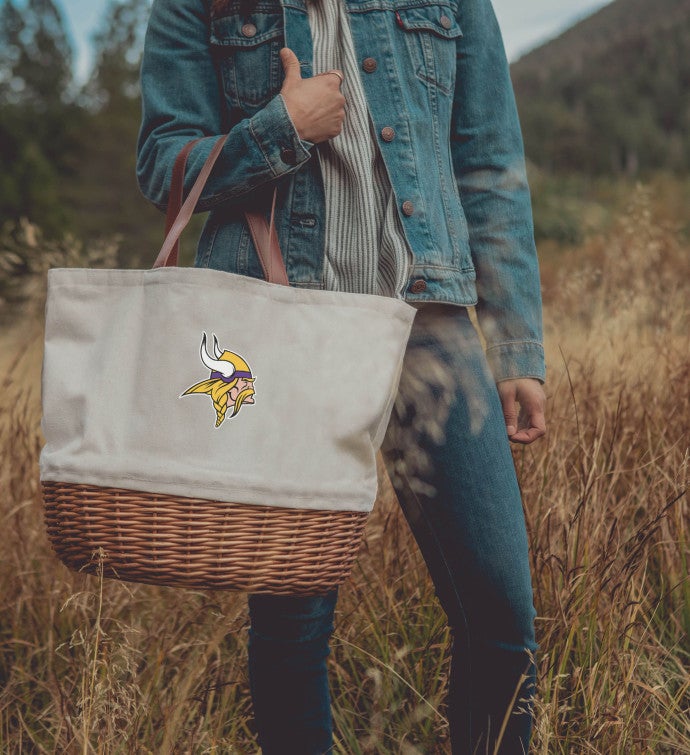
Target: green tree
(38, 121)
(35, 57)
(105, 190)
(118, 46)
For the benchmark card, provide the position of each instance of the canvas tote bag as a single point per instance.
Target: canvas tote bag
(208, 429)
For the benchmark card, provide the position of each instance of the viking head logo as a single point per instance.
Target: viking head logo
(231, 380)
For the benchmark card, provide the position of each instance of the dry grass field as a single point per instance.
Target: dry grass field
(103, 667)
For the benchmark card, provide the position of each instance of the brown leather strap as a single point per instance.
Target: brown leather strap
(263, 235)
(185, 213)
(176, 196)
(267, 245)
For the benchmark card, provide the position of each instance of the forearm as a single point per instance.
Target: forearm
(508, 287)
(183, 100)
(489, 166)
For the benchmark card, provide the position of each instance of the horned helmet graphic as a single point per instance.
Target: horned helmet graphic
(231, 382)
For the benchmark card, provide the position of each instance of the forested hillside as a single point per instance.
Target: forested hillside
(611, 94)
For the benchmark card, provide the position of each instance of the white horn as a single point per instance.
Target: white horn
(226, 369)
(216, 348)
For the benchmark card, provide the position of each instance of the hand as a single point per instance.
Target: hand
(316, 105)
(530, 424)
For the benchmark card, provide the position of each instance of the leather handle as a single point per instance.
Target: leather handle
(184, 214)
(176, 197)
(267, 245)
(178, 215)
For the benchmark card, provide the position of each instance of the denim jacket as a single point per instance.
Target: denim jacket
(434, 71)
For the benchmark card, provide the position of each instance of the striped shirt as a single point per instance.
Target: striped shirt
(366, 250)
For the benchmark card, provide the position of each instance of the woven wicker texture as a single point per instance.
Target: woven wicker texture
(188, 542)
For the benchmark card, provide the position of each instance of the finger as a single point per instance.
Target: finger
(528, 435)
(510, 412)
(532, 409)
(532, 424)
(291, 66)
(333, 76)
(338, 74)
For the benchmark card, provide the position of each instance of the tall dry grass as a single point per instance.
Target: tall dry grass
(95, 666)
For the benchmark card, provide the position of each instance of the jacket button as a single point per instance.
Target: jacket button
(446, 23)
(407, 207)
(418, 286)
(387, 133)
(288, 155)
(369, 65)
(249, 30)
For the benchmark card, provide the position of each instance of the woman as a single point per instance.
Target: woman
(390, 131)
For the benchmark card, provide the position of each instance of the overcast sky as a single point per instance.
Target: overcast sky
(525, 23)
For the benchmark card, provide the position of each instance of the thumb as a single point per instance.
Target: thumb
(510, 412)
(290, 65)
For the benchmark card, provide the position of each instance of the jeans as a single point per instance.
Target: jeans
(449, 459)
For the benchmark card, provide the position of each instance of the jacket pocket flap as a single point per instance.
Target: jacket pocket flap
(232, 31)
(438, 19)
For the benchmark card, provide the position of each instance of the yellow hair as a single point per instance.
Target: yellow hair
(218, 390)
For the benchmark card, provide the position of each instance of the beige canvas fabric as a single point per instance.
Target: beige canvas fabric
(123, 348)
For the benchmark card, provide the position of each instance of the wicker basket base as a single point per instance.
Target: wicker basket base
(189, 542)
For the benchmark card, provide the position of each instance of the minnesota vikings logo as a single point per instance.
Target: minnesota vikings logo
(231, 380)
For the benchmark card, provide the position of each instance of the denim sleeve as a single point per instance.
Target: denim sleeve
(489, 164)
(182, 99)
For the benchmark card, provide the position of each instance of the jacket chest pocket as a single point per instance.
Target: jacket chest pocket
(247, 51)
(430, 33)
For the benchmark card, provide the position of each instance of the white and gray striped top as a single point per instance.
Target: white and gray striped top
(366, 250)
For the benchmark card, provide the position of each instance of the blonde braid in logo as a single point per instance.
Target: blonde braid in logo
(218, 391)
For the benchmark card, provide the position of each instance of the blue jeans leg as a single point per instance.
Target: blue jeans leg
(288, 648)
(449, 459)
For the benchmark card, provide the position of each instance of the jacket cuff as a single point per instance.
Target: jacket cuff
(277, 137)
(517, 359)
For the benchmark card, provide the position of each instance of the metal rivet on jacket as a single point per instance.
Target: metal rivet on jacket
(388, 133)
(288, 155)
